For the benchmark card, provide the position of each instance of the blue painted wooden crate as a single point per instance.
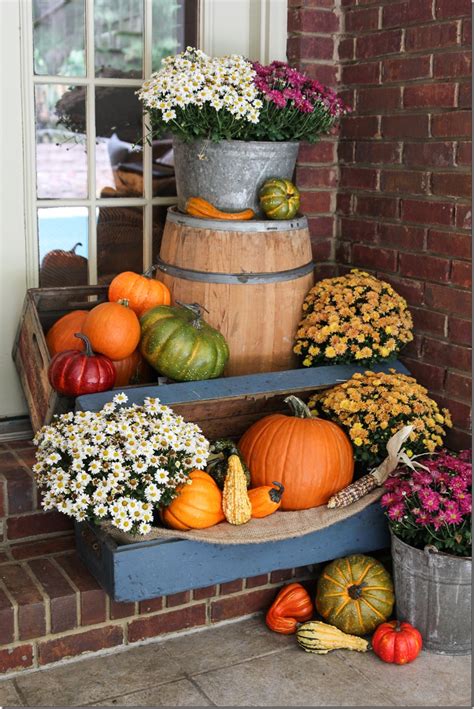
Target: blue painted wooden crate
(224, 407)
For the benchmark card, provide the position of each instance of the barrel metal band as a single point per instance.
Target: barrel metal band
(243, 278)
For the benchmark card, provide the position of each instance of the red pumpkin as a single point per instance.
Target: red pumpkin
(291, 606)
(397, 642)
(62, 335)
(73, 373)
(133, 370)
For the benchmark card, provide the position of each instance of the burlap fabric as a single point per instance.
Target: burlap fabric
(280, 525)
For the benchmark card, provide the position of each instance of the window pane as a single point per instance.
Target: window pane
(59, 37)
(119, 241)
(61, 160)
(118, 128)
(62, 245)
(118, 38)
(159, 219)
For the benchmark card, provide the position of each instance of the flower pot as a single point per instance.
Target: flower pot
(433, 593)
(230, 173)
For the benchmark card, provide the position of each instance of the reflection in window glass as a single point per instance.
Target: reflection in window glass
(62, 245)
(168, 29)
(119, 241)
(61, 160)
(59, 37)
(118, 28)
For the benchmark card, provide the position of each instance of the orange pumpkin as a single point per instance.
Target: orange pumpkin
(133, 370)
(62, 335)
(197, 506)
(311, 457)
(113, 329)
(265, 499)
(141, 292)
(291, 606)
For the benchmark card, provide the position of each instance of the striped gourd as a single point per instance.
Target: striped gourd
(321, 638)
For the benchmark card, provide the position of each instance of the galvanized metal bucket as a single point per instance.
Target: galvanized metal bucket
(230, 173)
(433, 593)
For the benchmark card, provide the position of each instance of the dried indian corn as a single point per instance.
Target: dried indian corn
(355, 491)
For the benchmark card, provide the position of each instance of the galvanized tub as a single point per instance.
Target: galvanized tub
(433, 593)
(230, 173)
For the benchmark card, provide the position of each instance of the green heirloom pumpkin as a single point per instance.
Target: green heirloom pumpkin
(180, 345)
(279, 199)
(217, 461)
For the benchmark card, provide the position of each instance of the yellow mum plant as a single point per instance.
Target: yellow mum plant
(371, 407)
(352, 318)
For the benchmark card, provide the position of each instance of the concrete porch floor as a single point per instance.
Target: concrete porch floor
(241, 664)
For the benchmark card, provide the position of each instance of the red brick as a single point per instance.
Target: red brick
(61, 594)
(463, 216)
(459, 331)
(178, 599)
(345, 151)
(374, 206)
(37, 523)
(151, 626)
(360, 73)
(346, 48)
(406, 126)
(308, 47)
(456, 123)
(92, 596)
(77, 644)
(449, 243)
(464, 153)
(403, 181)
(312, 20)
(460, 411)
(429, 95)
(461, 274)
(426, 374)
(344, 203)
(322, 152)
(19, 487)
(452, 184)
(31, 612)
(377, 151)
(321, 227)
(433, 36)
(359, 230)
(151, 605)
(3, 497)
(52, 545)
(401, 236)
(6, 619)
(466, 36)
(428, 268)
(411, 290)
(452, 8)
(428, 154)
(119, 609)
(360, 178)
(378, 43)
(447, 354)
(315, 202)
(322, 250)
(200, 594)
(324, 73)
(230, 587)
(427, 212)
(359, 127)
(406, 68)
(362, 20)
(413, 349)
(17, 658)
(255, 581)
(458, 386)
(374, 257)
(448, 299)
(399, 14)
(379, 99)
(458, 440)
(425, 320)
(315, 176)
(465, 95)
(343, 253)
(281, 575)
(452, 64)
(244, 604)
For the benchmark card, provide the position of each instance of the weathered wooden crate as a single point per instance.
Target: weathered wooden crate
(224, 407)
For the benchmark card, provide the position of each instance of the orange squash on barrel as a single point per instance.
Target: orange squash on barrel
(199, 207)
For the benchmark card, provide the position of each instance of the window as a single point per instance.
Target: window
(100, 190)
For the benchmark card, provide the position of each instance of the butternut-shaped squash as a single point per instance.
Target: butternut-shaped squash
(235, 500)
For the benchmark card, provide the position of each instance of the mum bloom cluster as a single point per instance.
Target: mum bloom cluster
(120, 463)
(433, 505)
(373, 406)
(352, 318)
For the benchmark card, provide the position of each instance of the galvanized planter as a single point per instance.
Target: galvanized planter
(229, 173)
(433, 593)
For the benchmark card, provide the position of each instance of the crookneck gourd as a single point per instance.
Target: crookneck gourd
(321, 638)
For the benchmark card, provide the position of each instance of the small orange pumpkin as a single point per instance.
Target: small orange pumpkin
(141, 292)
(197, 506)
(291, 606)
(133, 370)
(113, 329)
(62, 335)
(265, 499)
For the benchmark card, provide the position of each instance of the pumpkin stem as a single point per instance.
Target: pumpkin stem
(73, 250)
(149, 271)
(87, 344)
(275, 494)
(123, 301)
(298, 407)
(398, 627)
(196, 310)
(355, 591)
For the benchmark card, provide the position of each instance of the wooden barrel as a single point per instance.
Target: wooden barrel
(251, 277)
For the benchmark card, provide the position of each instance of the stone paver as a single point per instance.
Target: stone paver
(241, 664)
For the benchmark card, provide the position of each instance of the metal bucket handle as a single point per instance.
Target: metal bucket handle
(431, 551)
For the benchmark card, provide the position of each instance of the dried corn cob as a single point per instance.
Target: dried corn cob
(354, 491)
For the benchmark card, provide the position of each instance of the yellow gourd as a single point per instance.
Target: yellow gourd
(321, 638)
(235, 499)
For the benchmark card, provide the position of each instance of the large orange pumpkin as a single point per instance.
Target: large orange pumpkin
(312, 458)
(197, 506)
(62, 335)
(141, 292)
(133, 370)
(113, 329)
